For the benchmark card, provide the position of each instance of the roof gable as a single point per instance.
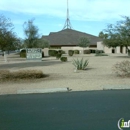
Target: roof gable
(69, 37)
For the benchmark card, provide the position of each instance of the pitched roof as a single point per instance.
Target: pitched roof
(69, 37)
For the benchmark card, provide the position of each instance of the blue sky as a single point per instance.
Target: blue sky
(89, 16)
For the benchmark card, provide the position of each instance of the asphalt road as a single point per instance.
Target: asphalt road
(94, 110)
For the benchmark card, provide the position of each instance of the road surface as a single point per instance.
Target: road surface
(94, 110)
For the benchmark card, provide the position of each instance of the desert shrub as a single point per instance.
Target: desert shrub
(4, 74)
(101, 54)
(70, 52)
(21, 74)
(23, 53)
(58, 56)
(80, 64)
(122, 68)
(52, 52)
(99, 51)
(61, 51)
(87, 51)
(92, 51)
(76, 51)
(63, 59)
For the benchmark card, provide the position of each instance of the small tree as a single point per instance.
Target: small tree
(43, 43)
(84, 42)
(7, 36)
(32, 37)
(118, 34)
(31, 33)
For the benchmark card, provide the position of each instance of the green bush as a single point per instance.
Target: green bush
(70, 52)
(61, 52)
(23, 54)
(58, 56)
(63, 59)
(99, 51)
(92, 51)
(101, 54)
(80, 64)
(122, 68)
(52, 52)
(76, 51)
(87, 52)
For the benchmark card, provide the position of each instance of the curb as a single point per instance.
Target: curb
(115, 87)
(48, 90)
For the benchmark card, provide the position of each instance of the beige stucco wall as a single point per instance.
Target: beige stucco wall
(117, 50)
(100, 46)
(107, 50)
(124, 50)
(74, 48)
(66, 49)
(45, 50)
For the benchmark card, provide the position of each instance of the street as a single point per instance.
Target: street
(92, 110)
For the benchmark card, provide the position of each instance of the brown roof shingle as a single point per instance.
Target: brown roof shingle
(69, 37)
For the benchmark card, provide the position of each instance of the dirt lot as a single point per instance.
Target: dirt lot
(98, 74)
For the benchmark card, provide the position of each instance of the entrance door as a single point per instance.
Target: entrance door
(113, 50)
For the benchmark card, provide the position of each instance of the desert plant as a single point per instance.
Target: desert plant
(21, 74)
(87, 51)
(76, 51)
(92, 51)
(70, 52)
(4, 74)
(80, 64)
(52, 52)
(58, 56)
(23, 53)
(99, 51)
(122, 68)
(84, 42)
(61, 51)
(63, 59)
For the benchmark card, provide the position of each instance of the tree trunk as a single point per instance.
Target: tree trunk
(128, 50)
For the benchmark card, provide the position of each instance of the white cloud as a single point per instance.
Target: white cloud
(94, 10)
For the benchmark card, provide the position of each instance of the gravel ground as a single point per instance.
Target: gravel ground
(98, 74)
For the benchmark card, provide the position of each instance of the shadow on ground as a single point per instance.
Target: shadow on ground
(29, 64)
(126, 57)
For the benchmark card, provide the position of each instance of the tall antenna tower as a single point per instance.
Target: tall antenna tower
(67, 24)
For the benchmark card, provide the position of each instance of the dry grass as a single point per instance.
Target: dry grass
(21, 74)
(122, 68)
